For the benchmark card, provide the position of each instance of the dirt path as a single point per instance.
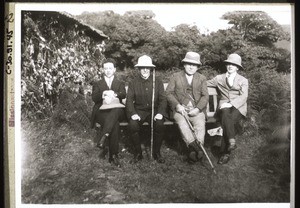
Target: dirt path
(61, 165)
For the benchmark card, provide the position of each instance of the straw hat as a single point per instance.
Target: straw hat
(192, 57)
(109, 103)
(234, 59)
(144, 61)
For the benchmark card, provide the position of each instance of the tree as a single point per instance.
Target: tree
(255, 26)
(131, 35)
(253, 36)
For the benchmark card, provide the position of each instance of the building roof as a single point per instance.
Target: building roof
(90, 31)
(68, 19)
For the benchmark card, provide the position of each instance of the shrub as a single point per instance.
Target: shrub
(269, 97)
(56, 51)
(72, 108)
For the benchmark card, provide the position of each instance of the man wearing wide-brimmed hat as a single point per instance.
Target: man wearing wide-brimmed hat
(187, 96)
(146, 101)
(233, 90)
(107, 94)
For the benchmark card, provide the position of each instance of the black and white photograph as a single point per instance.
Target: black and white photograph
(151, 104)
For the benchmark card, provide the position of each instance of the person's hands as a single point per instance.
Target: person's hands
(158, 117)
(226, 105)
(194, 112)
(109, 93)
(135, 117)
(180, 109)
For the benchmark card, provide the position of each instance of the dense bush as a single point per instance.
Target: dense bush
(270, 98)
(72, 108)
(55, 52)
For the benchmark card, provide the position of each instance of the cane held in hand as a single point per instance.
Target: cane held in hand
(193, 131)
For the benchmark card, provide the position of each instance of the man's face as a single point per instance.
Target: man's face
(231, 68)
(190, 69)
(109, 69)
(145, 72)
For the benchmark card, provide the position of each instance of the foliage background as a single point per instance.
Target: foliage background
(60, 63)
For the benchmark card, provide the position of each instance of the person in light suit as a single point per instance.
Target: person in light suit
(187, 94)
(233, 89)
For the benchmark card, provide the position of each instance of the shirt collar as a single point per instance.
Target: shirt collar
(231, 75)
(146, 80)
(189, 77)
(111, 78)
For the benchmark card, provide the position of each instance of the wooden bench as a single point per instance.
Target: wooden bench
(211, 107)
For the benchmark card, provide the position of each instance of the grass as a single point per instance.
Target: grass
(61, 166)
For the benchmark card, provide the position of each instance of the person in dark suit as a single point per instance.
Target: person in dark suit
(187, 94)
(139, 108)
(107, 93)
(233, 90)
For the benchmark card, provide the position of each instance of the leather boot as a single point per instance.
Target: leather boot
(101, 142)
(115, 160)
(194, 145)
(137, 155)
(103, 152)
(158, 158)
(136, 158)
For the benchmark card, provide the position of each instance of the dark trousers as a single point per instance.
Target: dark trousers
(229, 118)
(110, 123)
(135, 129)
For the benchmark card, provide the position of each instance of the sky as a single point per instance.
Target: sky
(206, 16)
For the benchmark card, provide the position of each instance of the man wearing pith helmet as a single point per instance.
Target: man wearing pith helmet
(233, 90)
(139, 102)
(187, 96)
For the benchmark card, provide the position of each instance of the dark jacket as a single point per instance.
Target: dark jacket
(139, 97)
(98, 87)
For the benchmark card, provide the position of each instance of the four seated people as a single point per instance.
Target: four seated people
(187, 96)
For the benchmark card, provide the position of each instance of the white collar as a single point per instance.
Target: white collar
(232, 76)
(111, 78)
(189, 78)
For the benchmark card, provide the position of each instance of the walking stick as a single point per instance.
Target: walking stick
(193, 131)
(152, 112)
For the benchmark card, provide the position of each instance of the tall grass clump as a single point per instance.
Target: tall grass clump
(270, 105)
(269, 98)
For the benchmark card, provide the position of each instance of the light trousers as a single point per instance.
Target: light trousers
(198, 123)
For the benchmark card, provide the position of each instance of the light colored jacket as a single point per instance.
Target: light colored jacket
(236, 95)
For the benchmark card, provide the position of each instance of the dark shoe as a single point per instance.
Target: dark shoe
(159, 158)
(190, 161)
(115, 161)
(193, 156)
(145, 153)
(200, 155)
(101, 142)
(196, 146)
(136, 158)
(102, 153)
(232, 146)
(224, 159)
